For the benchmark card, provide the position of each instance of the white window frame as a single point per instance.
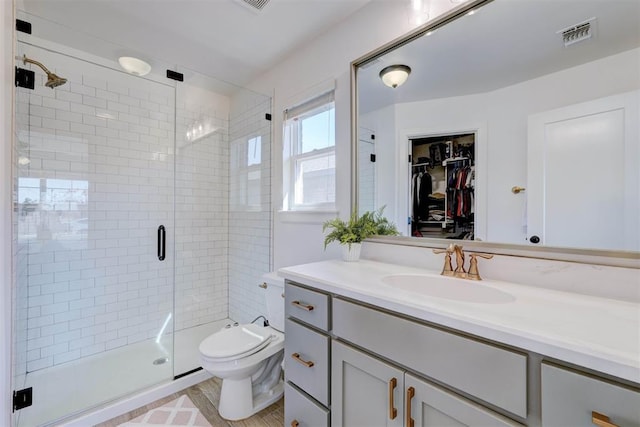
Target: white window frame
(292, 157)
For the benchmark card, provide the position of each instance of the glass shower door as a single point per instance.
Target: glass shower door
(93, 236)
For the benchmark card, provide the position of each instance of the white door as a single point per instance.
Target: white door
(582, 188)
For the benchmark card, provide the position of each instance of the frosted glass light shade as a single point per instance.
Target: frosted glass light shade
(395, 75)
(134, 65)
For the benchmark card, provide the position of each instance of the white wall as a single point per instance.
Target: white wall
(6, 103)
(299, 239)
(505, 135)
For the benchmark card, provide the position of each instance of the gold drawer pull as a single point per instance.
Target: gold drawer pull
(601, 420)
(393, 412)
(410, 393)
(295, 423)
(297, 358)
(298, 304)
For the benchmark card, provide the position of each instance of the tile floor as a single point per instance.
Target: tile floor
(205, 396)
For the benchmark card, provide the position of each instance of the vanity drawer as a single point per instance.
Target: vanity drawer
(492, 374)
(299, 409)
(306, 355)
(306, 305)
(570, 398)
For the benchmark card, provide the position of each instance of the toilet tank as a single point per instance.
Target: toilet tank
(274, 294)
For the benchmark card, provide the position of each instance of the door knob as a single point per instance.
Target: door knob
(534, 239)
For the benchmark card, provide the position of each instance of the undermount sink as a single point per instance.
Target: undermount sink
(447, 287)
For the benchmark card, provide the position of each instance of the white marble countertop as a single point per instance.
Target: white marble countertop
(597, 333)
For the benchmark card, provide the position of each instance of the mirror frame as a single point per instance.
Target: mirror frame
(590, 256)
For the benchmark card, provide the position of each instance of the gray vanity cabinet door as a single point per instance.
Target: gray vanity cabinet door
(434, 407)
(570, 398)
(361, 390)
(302, 411)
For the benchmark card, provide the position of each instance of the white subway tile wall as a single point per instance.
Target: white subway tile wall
(98, 183)
(250, 205)
(367, 176)
(202, 206)
(19, 248)
(102, 172)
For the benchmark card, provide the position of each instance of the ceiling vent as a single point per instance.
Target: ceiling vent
(255, 5)
(577, 33)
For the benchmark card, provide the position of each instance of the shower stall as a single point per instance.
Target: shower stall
(141, 222)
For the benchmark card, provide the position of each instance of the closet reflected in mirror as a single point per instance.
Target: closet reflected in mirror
(442, 199)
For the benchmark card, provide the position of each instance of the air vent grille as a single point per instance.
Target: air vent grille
(577, 33)
(255, 4)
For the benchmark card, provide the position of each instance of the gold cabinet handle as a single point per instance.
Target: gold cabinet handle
(263, 285)
(307, 307)
(297, 358)
(410, 393)
(393, 412)
(517, 190)
(601, 420)
(295, 423)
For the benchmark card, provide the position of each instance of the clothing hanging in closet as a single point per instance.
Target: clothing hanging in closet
(460, 192)
(421, 189)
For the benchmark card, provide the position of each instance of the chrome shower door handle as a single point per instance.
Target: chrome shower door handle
(162, 239)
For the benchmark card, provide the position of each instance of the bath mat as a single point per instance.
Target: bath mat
(178, 412)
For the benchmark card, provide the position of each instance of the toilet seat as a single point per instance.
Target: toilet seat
(236, 342)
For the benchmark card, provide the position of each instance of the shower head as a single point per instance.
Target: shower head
(53, 80)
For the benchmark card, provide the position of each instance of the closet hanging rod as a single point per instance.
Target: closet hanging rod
(421, 164)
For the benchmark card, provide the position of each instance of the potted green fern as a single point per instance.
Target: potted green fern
(351, 233)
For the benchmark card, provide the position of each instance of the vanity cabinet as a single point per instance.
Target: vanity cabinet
(306, 357)
(493, 374)
(369, 392)
(570, 398)
(349, 363)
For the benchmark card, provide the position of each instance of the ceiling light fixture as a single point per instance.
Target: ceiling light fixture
(134, 66)
(395, 75)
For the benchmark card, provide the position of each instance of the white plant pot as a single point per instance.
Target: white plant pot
(351, 252)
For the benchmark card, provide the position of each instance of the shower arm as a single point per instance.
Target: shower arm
(31, 61)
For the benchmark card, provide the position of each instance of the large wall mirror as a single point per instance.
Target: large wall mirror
(523, 115)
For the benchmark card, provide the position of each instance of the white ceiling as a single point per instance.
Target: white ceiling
(504, 43)
(220, 38)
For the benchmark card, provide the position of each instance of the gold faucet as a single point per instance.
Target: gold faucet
(447, 270)
(460, 272)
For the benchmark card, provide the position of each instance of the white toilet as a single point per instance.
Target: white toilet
(248, 358)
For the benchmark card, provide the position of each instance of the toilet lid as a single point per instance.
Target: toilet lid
(236, 341)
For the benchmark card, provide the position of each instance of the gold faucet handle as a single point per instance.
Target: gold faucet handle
(473, 273)
(447, 269)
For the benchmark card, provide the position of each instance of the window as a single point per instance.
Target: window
(246, 173)
(309, 155)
